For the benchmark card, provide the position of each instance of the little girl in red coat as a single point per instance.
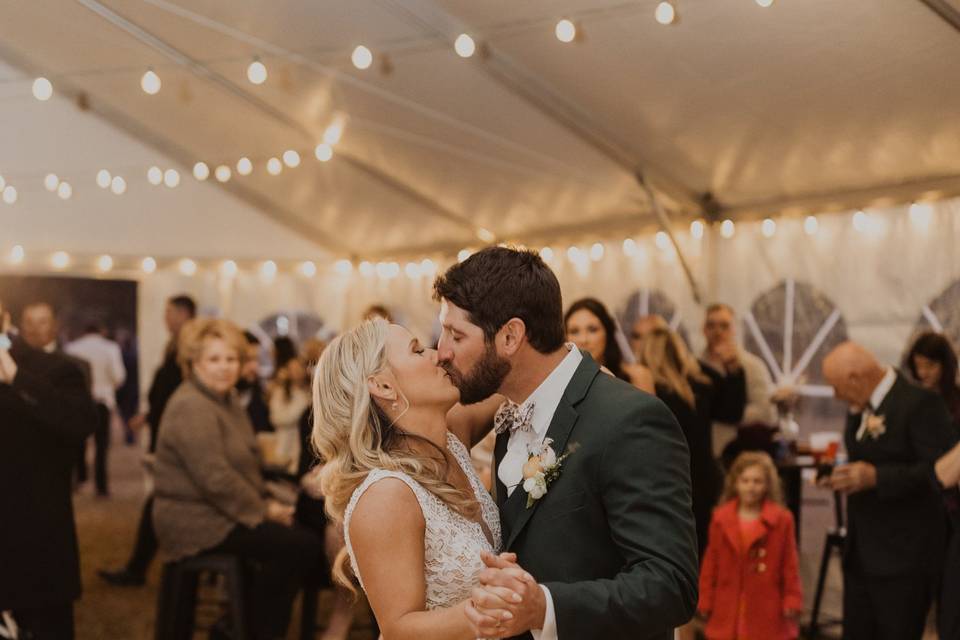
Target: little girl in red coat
(749, 583)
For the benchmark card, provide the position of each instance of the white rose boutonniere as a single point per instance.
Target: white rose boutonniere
(873, 425)
(542, 469)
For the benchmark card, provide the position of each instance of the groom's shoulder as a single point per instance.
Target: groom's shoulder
(617, 400)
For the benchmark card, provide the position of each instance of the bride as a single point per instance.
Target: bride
(416, 518)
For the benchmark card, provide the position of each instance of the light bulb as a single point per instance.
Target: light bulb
(566, 31)
(274, 166)
(9, 194)
(154, 175)
(464, 46)
(187, 267)
(268, 270)
(727, 228)
(60, 260)
(463, 254)
(118, 185)
(412, 270)
(630, 247)
(323, 152)
(308, 269)
(596, 252)
(362, 58)
(486, 235)
(149, 265)
(333, 133)
(222, 173)
(51, 182)
(810, 225)
(860, 221)
(42, 89)
(366, 269)
(547, 254)
(228, 268)
(17, 254)
(150, 82)
(244, 166)
(428, 267)
(104, 263)
(171, 178)
(921, 214)
(343, 267)
(768, 227)
(662, 240)
(665, 13)
(696, 229)
(64, 190)
(764, 3)
(291, 158)
(103, 179)
(257, 72)
(201, 171)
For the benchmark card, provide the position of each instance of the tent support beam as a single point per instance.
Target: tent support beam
(429, 205)
(945, 10)
(167, 147)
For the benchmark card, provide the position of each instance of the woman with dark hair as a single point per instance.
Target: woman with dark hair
(591, 327)
(288, 397)
(933, 363)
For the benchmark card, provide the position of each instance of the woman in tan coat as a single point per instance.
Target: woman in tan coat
(210, 495)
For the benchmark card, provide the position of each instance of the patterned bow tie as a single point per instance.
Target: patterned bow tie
(513, 416)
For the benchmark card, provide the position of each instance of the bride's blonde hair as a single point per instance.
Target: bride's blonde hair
(353, 436)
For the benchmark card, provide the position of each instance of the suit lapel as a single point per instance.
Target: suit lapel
(561, 426)
(499, 450)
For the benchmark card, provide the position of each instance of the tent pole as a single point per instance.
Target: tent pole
(945, 10)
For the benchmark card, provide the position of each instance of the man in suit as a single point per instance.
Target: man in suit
(896, 534)
(46, 411)
(611, 540)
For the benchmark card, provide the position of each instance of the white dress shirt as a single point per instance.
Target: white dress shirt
(546, 398)
(106, 365)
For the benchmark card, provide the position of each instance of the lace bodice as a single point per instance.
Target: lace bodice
(452, 543)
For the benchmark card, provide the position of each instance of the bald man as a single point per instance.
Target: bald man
(896, 536)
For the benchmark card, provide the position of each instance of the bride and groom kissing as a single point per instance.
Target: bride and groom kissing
(589, 533)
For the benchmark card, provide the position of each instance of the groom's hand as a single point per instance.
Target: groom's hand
(502, 572)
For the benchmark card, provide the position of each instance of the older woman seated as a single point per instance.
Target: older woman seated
(210, 496)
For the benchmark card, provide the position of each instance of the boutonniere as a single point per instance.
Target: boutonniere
(542, 468)
(874, 426)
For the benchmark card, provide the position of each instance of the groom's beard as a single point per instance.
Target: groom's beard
(485, 378)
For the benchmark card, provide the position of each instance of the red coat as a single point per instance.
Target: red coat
(766, 576)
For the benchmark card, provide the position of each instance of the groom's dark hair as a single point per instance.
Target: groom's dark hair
(498, 283)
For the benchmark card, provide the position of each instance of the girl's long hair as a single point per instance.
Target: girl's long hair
(753, 459)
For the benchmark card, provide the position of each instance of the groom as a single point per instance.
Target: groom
(609, 534)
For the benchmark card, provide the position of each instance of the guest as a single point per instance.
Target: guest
(642, 327)
(46, 412)
(210, 495)
(590, 327)
(723, 356)
(289, 398)
(250, 389)
(896, 530)
(40, 327)
(377, 311)
(749, 581)
(128, 395)
(178, 311)
(932, 363)
(947, 470)
(697, 397)
(106, 367)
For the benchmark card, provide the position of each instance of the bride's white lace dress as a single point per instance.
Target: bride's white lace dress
(452, 543)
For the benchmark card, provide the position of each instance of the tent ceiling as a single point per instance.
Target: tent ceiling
(763, 108)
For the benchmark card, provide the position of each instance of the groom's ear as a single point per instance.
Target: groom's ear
(511, 336)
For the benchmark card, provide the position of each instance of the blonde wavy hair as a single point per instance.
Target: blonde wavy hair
(353, 436)
(749, 459)
(670, 363)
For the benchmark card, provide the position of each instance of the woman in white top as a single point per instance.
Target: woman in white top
(289, 398)
(398, 475)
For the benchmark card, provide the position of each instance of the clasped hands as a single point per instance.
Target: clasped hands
(507, 602)
(851, 478)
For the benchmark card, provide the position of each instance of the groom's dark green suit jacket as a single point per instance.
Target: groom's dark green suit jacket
(613, 539)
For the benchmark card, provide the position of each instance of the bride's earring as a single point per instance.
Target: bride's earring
(395, 406)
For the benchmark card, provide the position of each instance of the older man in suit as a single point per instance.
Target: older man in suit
(45, 413)
(896, 541)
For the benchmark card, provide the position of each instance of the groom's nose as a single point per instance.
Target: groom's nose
(444, 352)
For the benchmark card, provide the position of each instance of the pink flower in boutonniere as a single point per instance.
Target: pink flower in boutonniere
(542, 469)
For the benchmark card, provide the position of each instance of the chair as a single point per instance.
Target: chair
(178, 595)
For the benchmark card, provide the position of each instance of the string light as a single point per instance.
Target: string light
(362, 57)
(64, 190)
(228, 268)
(104, 263)
(17, 254)
(765, 3)
(201, 171)
(274, 166)
(566, 31)
(662, 240)
(665, 13)
(768, 227)
(291, 158)
(333, 133)
(428, 267)
(696, 229)
(118, 185)
(244, 166)
(268, 270)
(323, 152)
(10, 194)
(465, 46)
(150, 82)
(810, 225)
(860, 221)
(187, 267)
(596, 252)
(222, 173)
(42, 89)
(149, 265)
(60, 260)
(308, 269)
(547, 254)
(727, 228)
(154, 176)
(51, 182)
(485, 235)
(171, 178)
(366, 269)
(629, 247)
(103, 179)
(921, 214)
(412, 270)
(257, 72)
(344, 267)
